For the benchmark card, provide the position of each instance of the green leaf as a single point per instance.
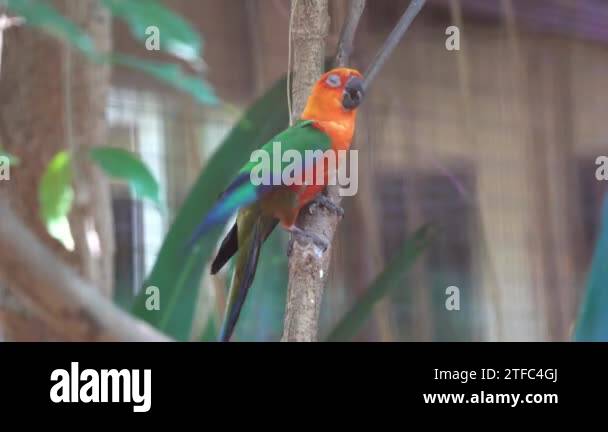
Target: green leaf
(124, 165)
(177, 272)
(391, 279)
(43, 15)
(181, 41)
(173, 75)
(60, 230)
(592, 324)
(176, 36)
(55, 192)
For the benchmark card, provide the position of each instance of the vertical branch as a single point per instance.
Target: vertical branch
(307, 269)
(309, 31)
(347, 37)
(84, 104)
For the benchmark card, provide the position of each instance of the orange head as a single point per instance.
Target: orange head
(336, 96)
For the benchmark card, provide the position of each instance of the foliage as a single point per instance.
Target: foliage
(177, 271)
(45, 17)
(592, 324)
(391, 278)
(177, 38)
(55, 197)
(123, 165)
(55, 193)
(173, 75)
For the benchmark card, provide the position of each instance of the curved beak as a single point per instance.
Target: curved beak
(353, 93)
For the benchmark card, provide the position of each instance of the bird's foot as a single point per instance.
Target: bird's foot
(323, 200)
(308, 237)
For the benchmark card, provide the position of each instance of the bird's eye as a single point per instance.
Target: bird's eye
(333, 81)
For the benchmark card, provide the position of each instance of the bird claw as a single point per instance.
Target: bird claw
(310, 237)
(323, 201)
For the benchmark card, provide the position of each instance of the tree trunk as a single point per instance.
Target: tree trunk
(307, 272)
(54, 99)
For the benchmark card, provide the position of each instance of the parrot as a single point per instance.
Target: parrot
(327, 123)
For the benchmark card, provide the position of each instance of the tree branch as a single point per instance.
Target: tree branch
(307, 269)
(57, 295)
(347, 37)
(392, 41)
(309, 31)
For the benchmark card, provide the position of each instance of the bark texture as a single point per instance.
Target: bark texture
(54, 99)
(307, 269)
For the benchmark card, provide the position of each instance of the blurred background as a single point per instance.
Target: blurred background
(494, 145)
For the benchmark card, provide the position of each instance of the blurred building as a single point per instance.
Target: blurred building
(495, 144)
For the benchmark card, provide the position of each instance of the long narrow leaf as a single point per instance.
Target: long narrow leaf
(173, 75)
(177, 272)
(390, 279)
(123, 165)
(56, 196)
(184, 43)
(44, 16)
(592, 322)
(55, 192)
(175, 35)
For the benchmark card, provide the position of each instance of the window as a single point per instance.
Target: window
(409, 200)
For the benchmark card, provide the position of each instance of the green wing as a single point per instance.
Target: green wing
(241, 192)
(252, 227)
(301, 137)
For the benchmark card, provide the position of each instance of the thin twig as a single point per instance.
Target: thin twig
(289, 55)
(347, 37)
(392, 41)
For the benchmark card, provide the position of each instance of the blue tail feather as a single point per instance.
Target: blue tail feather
(240, 193)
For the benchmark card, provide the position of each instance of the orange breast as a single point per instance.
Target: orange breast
(341, 134)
